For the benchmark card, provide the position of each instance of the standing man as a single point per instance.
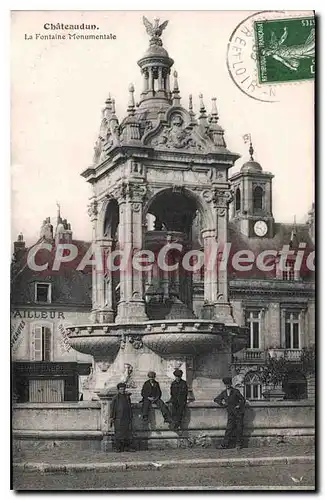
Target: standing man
(178, 392)
(151, 394)
(121, 417)
(233, 400)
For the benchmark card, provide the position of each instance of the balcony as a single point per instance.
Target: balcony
(252, 356)
(289, 354)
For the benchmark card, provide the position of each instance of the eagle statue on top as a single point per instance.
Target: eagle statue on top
(154, 30)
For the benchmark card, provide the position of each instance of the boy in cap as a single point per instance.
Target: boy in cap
(151, 393)
(234, 401)
(121, 417)
(178, 393)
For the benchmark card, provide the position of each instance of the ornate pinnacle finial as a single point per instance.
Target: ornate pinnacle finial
(248, 138)
(214, 111)
(131, 106)
(202, 107)
(251, 151)
(113, 106)
(190, 103)
(176, 98)
(175, 75)
(154, 30)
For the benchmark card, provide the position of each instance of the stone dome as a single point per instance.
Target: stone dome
(155, 50)
(251, 166)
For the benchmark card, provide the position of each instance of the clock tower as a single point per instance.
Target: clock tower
(251, 208)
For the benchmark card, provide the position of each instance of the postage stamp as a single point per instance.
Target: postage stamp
(285, 49)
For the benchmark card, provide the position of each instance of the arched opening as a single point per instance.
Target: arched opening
(111, 220)
(258, 195)
(170, 217)
(174, 211)
(253, 386)
(237, 200)
(295, 385)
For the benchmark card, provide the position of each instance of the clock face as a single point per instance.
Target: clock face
(260, 228)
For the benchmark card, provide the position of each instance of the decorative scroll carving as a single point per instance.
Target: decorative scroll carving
(93, 209)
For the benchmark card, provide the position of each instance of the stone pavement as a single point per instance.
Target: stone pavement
(65, 460)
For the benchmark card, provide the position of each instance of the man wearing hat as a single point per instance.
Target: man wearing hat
(151, 393)
(121, 417)
(233, 400)
(178, 400)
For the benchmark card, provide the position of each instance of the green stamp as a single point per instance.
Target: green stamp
(285, 49)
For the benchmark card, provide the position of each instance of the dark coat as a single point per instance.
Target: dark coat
(121, 414)
(179, 392)
(150, 390)
(230, 402)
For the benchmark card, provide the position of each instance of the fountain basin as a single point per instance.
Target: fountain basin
(96, 340)
(184, 337)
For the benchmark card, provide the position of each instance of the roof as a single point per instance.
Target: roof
(69, 286)
(282, 236)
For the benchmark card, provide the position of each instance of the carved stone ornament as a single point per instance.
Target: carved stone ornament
(177, 136)
(208, 195)
(108, 137)
(93, 209)
(103, 366)
(127, 376)
(136, 341)
(222, 197)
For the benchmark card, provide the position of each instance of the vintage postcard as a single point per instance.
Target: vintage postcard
(163, 250)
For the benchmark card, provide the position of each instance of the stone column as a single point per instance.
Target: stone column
(210, 266)
(93, 214)
(105, 312)
(131, 307)
(160, 86)
(146, 81)
(216, 305)
(222, 198)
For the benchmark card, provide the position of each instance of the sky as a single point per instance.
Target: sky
(58, 89)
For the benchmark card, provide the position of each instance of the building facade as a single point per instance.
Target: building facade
(43, 304)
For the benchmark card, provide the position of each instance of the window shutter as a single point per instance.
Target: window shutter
(47, 344)
(36, 344)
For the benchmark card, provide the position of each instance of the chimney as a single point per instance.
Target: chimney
(311, 222)
(19, 246)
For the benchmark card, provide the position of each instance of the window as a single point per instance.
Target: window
(238, 200)
(43, 292)
(258, 198)
(253, 386)
(41, 343)
(292, 332)
(253, 322)
(289, 274)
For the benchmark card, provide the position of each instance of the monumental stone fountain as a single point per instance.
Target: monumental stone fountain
(160, 184)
